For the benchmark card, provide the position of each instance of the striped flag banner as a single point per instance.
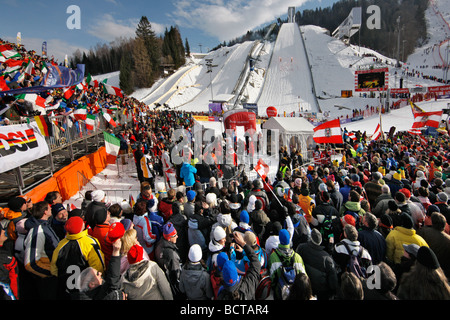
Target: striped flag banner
(427, 119)
(328, 132)
(45, 126)
(377, 134)
(112, 145)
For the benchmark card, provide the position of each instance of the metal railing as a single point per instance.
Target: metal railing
(70, 141)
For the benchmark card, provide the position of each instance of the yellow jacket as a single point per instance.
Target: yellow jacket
(397, 238)
(68, 250)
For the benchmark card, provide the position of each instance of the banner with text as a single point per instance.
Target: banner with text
(20, 144)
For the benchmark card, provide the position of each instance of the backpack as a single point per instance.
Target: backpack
(286, 280)
(354, 265)
(327, 224)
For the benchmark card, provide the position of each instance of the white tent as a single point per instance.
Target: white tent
(293, 132)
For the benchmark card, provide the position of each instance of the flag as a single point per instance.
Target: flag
(423, 140)
(68, 93)
(328, 132)
(7, 51)
(44, 125)
(88, 79)
(112, 90)
(415, 131)
(14, 62)
(90, 122)
(352, 135)
(262, 169)
(414, 108)
(29, 69)
(3, 85)
(109, 119)
(427, 119)
(80, 113)
(131, 201)
(377, 134)
(33, 98)
(112, 145)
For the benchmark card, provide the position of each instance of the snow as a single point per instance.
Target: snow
(333, 64)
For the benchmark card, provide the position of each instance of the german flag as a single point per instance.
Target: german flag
(44, 125)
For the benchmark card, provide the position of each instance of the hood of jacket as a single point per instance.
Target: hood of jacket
(353, 206)
(134, 274)
(214, 247)
(76, 236)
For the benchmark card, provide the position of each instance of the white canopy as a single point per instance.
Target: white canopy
(295, 131)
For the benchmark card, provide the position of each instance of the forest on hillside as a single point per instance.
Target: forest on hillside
(140, 59)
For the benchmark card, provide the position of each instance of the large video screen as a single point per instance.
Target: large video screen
(371, 80)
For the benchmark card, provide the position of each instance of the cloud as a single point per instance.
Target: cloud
(55, 47)
(228, 19)
(107, 28)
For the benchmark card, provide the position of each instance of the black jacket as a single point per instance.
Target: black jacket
(110, 289)
(320, 268)
(248, 283)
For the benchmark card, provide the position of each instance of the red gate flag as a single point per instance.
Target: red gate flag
(262, 169)
(328, 132)
(427, 119)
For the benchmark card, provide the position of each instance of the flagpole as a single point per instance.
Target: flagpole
(269, 188)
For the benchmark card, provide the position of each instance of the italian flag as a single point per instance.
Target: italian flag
(90, 122)
(7, 51)
(112, 90)
(112, 146)
(29, 69)
(109, 119)
(33, 98)
(80, 113)
(68, 92)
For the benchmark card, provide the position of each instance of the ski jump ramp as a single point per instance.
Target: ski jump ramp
(288, 85)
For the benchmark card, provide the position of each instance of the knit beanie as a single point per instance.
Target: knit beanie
(442, 197)
(99, 216)
(316, 237)
(116, 231)
(191, 195)
(169, 230)
(56, 208)
(219, 233)
(284, 237)
(244, 217)
(135, 254)
(195, 253)
(229, 274)
(385, 221)
(298, 182)
(127, 223)
(221, 259)
(427, 258)
(406, 221)
(349, 219)
(432, 208)
(98, 195)
(74, 225)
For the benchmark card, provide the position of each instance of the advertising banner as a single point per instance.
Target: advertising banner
(20, 144)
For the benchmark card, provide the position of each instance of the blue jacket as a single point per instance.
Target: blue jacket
(187, 173)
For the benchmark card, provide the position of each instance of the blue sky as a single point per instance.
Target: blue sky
(205, 22)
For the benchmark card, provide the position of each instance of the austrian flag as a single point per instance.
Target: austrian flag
(262, 169)
(427, 119)
(328, 132)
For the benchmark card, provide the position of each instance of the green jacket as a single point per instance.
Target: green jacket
(284, 253)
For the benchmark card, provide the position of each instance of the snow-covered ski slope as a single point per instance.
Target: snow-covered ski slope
(288, 84)
(227, 66)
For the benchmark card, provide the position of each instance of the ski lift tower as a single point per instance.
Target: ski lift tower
(291, 14)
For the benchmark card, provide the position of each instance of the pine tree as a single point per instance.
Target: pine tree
(145, 32)
(187, 47)
(142, 75)
(125, 76)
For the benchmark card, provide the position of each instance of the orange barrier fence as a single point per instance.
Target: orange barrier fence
(65, 181)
